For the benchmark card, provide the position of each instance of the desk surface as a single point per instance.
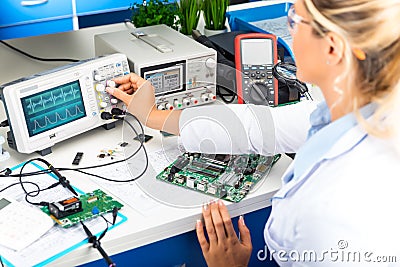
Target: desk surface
(140, 229)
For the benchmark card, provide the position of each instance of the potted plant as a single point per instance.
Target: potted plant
(190, 13)
(154, 12)
(214, 12)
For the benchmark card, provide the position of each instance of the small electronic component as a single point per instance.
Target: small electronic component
(65, 207)
(230, 177)
(77, 158)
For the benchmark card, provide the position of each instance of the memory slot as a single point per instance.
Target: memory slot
(208, 166)
(211, 175)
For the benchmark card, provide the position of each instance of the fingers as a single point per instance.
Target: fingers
(226, 218)
(129, 81)
(245, 236)
(218, 222)
(121, 95)
(208, 221)
(201, 237)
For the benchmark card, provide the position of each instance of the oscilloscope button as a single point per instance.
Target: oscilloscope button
(100, 87)
(97, 77)
(114, 101)
(169, 106)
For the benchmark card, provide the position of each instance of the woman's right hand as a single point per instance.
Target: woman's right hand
(137, 94)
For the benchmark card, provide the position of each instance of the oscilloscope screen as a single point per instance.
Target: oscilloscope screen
(53, 108)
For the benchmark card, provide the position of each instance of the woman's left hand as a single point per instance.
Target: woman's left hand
(223, 247)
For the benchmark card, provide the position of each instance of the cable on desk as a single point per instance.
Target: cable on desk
(119, 161)
(38, 58)
(81, 170)
(61, 181)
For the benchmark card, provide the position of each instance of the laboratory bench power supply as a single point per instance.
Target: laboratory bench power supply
(182, 71)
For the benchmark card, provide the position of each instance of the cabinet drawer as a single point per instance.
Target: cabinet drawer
(86, 7)
(37, 28)
(16, 12)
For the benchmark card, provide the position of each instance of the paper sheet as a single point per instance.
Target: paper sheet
(58, 241)
(277, 26)
(131, 193)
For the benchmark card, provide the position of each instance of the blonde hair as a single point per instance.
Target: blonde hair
(373, 27)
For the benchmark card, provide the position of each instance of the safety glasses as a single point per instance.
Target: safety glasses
(294, 19)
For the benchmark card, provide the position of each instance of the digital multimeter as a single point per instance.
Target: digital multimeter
(255, 56)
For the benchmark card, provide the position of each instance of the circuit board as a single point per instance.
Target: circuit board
(92, 204)
(229, 177)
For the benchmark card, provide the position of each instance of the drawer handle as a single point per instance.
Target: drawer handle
(33, 3)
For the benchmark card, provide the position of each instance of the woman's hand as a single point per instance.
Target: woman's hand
(223, 247)
(137, 94)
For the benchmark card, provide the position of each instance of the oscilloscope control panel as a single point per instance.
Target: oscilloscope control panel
(52, 106)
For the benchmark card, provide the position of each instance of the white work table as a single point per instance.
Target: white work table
(139, 230)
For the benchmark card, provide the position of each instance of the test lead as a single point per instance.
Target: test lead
(96, 244)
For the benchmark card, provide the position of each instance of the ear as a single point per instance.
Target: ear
(335, 49)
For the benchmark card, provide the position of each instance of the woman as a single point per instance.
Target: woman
(339, 201)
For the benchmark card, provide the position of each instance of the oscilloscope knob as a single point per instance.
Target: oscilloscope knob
(114, 101)
(100, 87)
(103, 104)
(110, 83)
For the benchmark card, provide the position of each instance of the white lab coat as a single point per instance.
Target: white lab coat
(241, 129)
(346, 205)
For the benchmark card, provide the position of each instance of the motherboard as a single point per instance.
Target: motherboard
(229, 177)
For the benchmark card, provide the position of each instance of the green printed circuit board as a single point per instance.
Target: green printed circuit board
(229, 177)
(71, 211)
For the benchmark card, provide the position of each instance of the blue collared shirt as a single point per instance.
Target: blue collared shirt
(321, 138)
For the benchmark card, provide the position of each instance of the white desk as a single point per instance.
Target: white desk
(139, 230)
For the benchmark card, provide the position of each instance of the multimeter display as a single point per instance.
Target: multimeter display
(264, 53)
(52, 108)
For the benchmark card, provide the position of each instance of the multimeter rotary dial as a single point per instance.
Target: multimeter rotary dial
(259, 92)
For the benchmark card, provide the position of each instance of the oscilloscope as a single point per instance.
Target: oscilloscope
(52, 106)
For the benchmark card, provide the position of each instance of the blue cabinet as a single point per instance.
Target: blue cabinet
(22, 18)
(85, 7)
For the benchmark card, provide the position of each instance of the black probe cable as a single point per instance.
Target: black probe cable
(61, 181)
(96, 244)
(110, 163)
(96, 166)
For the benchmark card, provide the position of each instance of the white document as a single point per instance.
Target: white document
(20, 224)
(57, 241)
